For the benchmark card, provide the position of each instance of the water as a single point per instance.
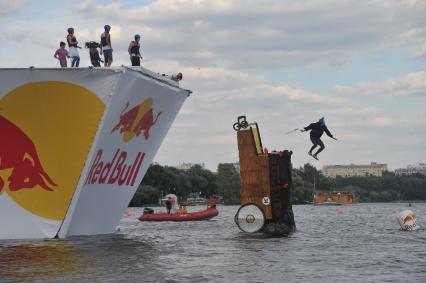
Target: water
(362, 244)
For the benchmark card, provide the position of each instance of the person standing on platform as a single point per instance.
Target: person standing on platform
(106, 46)
(73, 51)
(61, 54)
(134, 51)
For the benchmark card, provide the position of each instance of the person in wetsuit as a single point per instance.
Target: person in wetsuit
(134, 51)
(317, 129)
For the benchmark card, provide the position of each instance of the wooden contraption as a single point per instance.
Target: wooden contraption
(266, 185)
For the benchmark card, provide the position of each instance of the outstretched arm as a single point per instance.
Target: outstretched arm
(329, 133)
(307, 128)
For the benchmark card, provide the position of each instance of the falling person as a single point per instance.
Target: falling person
(317, 129)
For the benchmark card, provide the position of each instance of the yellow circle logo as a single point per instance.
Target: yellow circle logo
(47, 129)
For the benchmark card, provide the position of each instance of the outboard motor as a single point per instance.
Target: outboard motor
(148, 210)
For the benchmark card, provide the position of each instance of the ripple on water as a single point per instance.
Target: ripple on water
(359, 243)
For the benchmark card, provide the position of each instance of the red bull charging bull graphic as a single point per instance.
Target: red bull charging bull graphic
(44, 145)
(120, 170)
(18, 152)
(138, 119)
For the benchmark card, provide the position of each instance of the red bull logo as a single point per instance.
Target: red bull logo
(137, 120)
(407, 220)
(40, 159)
(116, 171)
(408, 217)
(18, 152)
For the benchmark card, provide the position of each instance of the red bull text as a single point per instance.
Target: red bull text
(18, 152)
(116, 171)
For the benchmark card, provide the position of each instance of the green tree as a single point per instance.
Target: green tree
(228, 183)
(145, 194)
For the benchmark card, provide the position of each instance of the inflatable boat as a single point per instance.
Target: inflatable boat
(188, 216)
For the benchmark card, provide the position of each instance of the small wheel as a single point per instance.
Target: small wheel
(237, 126)
(244, 124)
(250, 218)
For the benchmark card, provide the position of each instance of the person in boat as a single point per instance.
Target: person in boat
(106, 47)
(73, 45)
(61, 54)
(182, 209)
(317, 129)
(168, 203)
(134, 51)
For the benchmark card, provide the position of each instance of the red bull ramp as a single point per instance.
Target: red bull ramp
(75, 145)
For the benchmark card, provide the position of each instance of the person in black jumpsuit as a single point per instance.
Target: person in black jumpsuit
(317, 129)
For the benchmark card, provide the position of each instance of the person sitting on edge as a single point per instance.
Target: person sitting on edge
(106, 47)
(317, 129)
(134, 51)
(72, 44)
(168, 205)
(61, 54)
(177, 77)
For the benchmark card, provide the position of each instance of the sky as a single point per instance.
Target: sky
(283, 64)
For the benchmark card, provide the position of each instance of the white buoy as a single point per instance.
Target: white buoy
(407, 220)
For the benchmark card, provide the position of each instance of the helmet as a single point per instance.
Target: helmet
(322, 121)
(70, 30)
(137, 37)
(107, 27)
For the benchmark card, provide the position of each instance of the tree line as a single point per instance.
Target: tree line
(387, 188)
(197, 181)
(225, 185)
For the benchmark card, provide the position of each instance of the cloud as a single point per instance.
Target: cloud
(419, 51)
(274, 34)
(229, 34)
(227, 51)
(7, 7)
(412, 84)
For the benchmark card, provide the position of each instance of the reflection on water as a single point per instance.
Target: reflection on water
(38, 260)
(358, 243)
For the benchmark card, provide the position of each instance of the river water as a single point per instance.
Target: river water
(357, 243)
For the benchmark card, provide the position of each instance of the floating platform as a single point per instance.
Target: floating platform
(75, 145)
(266, 184)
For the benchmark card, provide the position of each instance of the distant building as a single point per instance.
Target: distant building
(412, 169)
(187, 166)
(374, 169)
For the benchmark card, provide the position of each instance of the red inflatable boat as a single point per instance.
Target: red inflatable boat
(188, 216)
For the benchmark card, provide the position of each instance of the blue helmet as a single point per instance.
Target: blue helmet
(137, 37)
(107, 27)
(322, 121)
(70, 30)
